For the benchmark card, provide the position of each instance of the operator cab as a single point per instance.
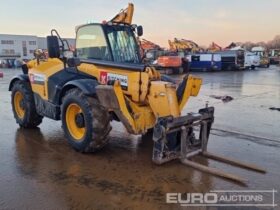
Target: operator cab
(108, 42)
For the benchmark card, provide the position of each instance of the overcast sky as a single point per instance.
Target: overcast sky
(202, 21)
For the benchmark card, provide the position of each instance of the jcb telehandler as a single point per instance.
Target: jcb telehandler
(104, 80)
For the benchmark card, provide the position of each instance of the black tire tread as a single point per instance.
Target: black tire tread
(31, 119)
(100, 120)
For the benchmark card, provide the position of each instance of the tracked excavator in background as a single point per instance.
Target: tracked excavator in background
(178, 57)
(214, 47)
(148, 45)
(105, 80)
(163, 60)
(183, 45)
(149, 51)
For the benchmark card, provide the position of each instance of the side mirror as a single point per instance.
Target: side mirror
(53, 46)
(73, 62)
(139, 30)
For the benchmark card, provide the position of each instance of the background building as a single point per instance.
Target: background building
(42, 43)
(17, 46)
(21, 47)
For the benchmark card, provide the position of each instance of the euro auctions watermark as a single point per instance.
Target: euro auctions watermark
(242, 198)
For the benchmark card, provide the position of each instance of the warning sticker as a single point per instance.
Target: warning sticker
(37, 79)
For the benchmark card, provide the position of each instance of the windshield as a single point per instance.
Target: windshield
(123, 44)
(91, 43)
(260, 53)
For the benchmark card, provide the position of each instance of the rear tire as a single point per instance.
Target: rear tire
(85, 122)
(23, 105)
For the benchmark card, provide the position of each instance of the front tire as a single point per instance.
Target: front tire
(85, 122)
(23, 105)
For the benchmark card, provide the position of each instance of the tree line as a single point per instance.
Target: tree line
(272, 44)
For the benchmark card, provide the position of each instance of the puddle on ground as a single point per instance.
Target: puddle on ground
(225, 98)
(274, 109)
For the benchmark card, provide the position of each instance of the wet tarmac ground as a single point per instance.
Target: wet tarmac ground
(39, 170)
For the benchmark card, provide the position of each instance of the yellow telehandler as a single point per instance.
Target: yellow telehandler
(104, 80)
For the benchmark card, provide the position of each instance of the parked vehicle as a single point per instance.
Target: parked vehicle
(274, 56)
(171, 64)
(252, 60)
(264, 59)
(206, 62)
(232, 59)
(176, 60)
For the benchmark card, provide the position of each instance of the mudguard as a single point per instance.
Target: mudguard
(86, 85)
(21, 77)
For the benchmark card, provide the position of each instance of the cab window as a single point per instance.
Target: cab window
(91, 43)
(123, 44)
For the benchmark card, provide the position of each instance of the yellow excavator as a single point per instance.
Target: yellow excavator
(104, 80)
(184, 45)
(214, 47)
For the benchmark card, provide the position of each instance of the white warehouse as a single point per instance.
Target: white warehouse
(22, 46)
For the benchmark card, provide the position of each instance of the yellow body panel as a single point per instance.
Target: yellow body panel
(143, 117)
(192, 89)
(136, 117)
(139, 108)
(51, 66)
(133, 78)
(123, 108)
(44, 70)
(163, 100)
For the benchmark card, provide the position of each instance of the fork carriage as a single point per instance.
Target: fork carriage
(175, 139)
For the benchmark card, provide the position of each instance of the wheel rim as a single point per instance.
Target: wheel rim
(76, 131)
(18, 104)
